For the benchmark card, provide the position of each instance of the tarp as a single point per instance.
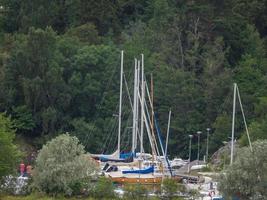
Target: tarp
(105, 159)
(140, 171)
(114, 155)
(127, 155)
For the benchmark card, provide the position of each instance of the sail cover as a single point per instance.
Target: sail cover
(127, 155)
(140, 171)
(126, 160)
(114, 155)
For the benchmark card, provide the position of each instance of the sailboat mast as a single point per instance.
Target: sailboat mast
(233, 126)
(168, 130)
(134, 106)
(137, 103)
(152, 110)
(142, 104)
(119, 129)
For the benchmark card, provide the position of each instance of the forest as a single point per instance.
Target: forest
(60, 64)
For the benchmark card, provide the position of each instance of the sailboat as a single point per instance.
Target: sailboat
(136, 171)
(236, 91)
(117, 156)
(135, 167)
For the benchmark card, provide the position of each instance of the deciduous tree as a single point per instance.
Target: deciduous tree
(63, 167)
(247, 177)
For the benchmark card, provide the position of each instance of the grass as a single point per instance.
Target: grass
(40, 197)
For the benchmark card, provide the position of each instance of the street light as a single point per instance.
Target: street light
(189, 158)
(198, 135)
(207, 149)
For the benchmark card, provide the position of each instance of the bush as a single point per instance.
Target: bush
(62, 167)
(135, 191)
(104, 189)
(169, 188)
(247, 176)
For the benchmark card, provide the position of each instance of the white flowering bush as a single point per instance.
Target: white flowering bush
(63, 167)
(247, 177)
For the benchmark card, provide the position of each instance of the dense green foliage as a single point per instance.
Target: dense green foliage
(135, 192)
(104, 189)
(59, 64)
(246, 178)
(170, 188)
(9, 154)
(63, 167)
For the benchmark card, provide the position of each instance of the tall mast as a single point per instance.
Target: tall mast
(168, 130)
(134, 106)
(142, 104)
(137, 103)
(119, 129)
(152, 108)
(233, 126)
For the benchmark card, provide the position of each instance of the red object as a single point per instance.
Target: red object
(22, 168)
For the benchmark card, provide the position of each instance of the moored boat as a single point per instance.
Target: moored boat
(130, 167)
(140, 178)
(143, 179)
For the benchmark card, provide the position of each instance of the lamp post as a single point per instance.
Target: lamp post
(198, 141)
(207, 148)
(189, 158)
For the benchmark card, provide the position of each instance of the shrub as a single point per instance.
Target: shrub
(135, 191)
(169, 188)
(247, 177)
(104, 189)
(63, 167)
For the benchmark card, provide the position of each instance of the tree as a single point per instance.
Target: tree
(23, 120)
(253, 11)
(55, 79)
(9, 154)
(34, 78)
(85, 33)
(247, 176)
(88, 133)
(93, 68)
(63, 167)
(258, 127)
(257, 131)
(20, 16)
(222, 126)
